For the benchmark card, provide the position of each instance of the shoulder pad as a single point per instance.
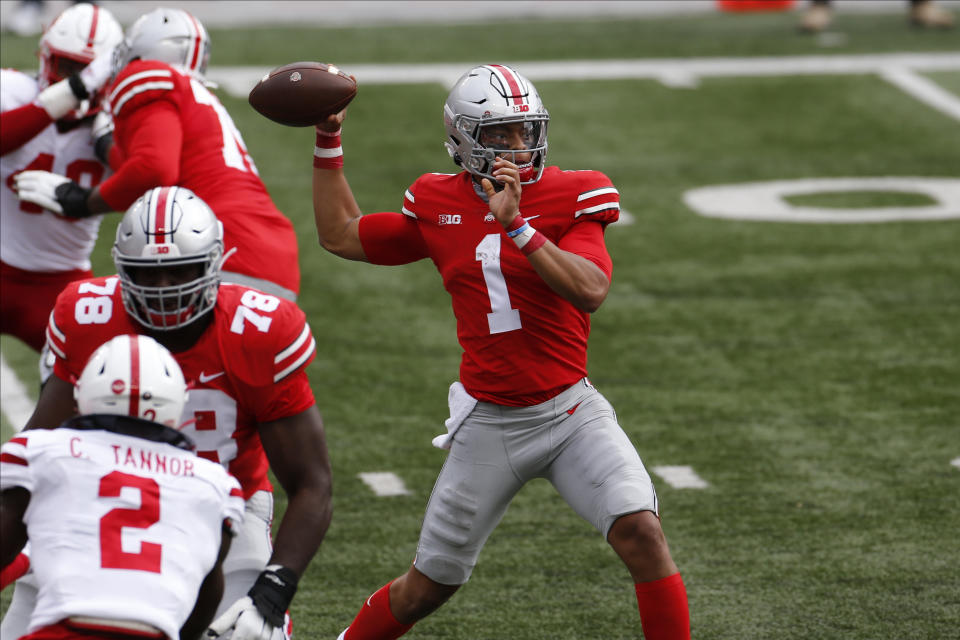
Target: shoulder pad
(142, 82)
(76, 329)
(272, 334)
(16, 89)
(597, 198)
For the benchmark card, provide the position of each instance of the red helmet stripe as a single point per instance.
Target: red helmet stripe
(93, 27)
(161, 221)
(510, 78)
(134, 375)
(194, 59)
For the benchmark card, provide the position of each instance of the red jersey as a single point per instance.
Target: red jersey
(170, 128)
(522, 343)
(248, 367)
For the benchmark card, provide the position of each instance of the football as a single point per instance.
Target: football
(302, 94)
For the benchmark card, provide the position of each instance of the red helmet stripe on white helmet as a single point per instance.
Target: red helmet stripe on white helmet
(91, 38)
(195, 56)
(162, 224)
(135, 376)
(510, 80)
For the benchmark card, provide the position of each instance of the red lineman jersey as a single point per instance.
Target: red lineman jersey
(247, 368)
(522, 343)
(171, 128)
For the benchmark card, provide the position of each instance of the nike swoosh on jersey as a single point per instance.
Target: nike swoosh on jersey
(207, 378)
(573, 408)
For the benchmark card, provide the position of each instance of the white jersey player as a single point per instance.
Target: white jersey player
(46, 126)
(128, 527)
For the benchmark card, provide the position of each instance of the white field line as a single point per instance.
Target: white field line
(384, 483)
(956, 462)
(15, 402)
(924, 90)
(680, 477)
(678, 72)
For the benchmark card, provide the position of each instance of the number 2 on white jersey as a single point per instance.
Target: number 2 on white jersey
(112, 524)
(502, 317)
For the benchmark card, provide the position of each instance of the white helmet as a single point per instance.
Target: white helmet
(173, 230)
(173, 36)
(78, 34)
(132, 376)
(494, 94)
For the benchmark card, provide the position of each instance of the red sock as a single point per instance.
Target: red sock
(664, 614)
(375, 620)
(14, 570)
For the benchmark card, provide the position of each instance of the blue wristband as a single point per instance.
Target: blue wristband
(518, 230)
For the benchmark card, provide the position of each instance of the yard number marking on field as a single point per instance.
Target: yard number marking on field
(681, 477)
(956, 462)
(384, 483)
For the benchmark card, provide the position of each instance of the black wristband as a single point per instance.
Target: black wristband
(101, 147)
(73, 199)
(78, 88)
(272, 593)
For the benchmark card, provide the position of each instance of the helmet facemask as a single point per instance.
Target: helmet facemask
(170, 306)
(488, 143)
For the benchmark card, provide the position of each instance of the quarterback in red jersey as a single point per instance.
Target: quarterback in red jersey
(120, 469)
(251, 407)
(522, 288)
(170, 129)
(45, 124)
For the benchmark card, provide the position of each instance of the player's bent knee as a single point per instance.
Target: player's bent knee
(638, 532)
(445, 571)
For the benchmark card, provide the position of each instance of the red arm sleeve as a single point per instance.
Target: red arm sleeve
(391, 238)
(19, 126)
(586, 240)
(154, 137)
(115, 157)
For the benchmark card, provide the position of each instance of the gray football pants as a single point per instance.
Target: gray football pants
(573, 440)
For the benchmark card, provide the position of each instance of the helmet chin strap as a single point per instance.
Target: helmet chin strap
(223, 258)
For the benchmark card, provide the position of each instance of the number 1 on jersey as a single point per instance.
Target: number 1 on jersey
(502, 318)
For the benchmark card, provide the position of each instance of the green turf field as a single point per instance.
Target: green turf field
(807, 372)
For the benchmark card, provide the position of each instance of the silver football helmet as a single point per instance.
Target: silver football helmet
(168, 254)
(133, 376)
(487, 97)
(173, 36)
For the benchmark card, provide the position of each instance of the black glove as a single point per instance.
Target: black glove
(272, 593)
(73, 198)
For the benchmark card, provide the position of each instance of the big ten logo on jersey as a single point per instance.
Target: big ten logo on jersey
(211, 422)
(449, 218)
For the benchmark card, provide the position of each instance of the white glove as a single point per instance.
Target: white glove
(40, 188)
(102, 125)
(246, 621)
(96, 74)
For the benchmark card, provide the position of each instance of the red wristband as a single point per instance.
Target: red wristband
(534, 243)
(328, 153)
(518, 222)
